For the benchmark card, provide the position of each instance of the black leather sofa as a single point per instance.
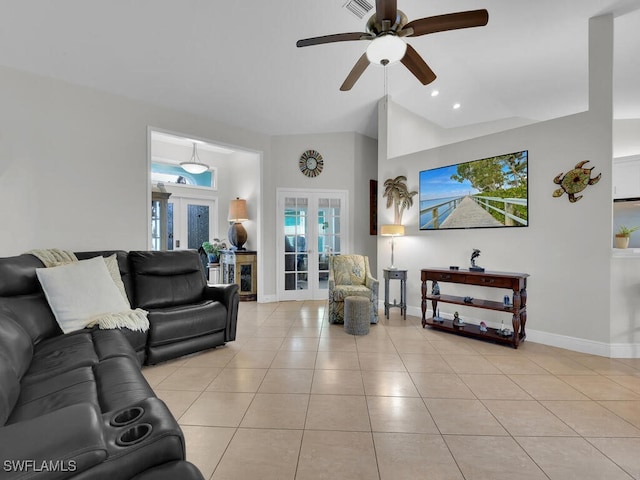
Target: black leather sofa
(76, 405)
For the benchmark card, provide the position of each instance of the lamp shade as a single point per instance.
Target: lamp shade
(392, 230)
(238, 210)
(386, 50)
(237, 213)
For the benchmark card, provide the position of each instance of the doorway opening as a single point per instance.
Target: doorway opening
(189, 208)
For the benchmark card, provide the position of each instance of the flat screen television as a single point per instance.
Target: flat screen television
(487, 193)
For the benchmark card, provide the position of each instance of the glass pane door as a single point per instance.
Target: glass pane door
(170, 235)
(312, 231)
(197, 225)
(156, 225)
(296, 259)
(328, 236)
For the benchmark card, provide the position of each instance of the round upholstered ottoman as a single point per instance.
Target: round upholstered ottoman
(357, 315)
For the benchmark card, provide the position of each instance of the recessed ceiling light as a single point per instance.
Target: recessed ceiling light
(456, 106)
(435, 93)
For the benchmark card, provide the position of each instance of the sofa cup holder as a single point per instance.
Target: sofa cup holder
(127, 416)
(134, 434)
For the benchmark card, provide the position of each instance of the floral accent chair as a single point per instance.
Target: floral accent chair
(350, 275)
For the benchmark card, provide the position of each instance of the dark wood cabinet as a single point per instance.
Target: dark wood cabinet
(241, 267)
(516, 282)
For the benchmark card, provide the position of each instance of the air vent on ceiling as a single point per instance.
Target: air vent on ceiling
(358, 7)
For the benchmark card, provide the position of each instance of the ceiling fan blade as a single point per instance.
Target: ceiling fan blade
(416, 65)
(355, 73)
(386, 10)
(450, 21)
(338, 37)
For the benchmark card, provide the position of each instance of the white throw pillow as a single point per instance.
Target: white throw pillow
(114, 270)
(81, 292)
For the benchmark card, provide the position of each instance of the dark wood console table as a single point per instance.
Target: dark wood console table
(517, 282)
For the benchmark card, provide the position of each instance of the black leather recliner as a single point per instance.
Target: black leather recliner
(185, 314)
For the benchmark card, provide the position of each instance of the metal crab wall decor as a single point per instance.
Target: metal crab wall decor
(575, 181)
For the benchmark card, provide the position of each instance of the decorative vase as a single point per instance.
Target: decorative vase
(622, 241)
(213, 258)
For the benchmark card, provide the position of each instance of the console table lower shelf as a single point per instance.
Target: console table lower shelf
(473, 330)
(517, 282)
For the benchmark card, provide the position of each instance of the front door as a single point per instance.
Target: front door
(312, 228)
(191, 222)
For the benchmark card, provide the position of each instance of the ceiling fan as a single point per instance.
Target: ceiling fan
(385, 30)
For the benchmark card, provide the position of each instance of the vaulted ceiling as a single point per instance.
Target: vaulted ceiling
(237, 61)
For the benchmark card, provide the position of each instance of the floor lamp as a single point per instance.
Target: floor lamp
(392, 231)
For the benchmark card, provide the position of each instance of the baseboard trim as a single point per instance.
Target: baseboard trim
(267, 298)
(610, 350)
(570, 343)
(625, 350)
(582, 345)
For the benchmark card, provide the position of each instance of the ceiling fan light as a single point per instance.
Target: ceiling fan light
(386, 49)
(194, 165)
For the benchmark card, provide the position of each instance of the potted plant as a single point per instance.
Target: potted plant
(213, 249)
(623, 234)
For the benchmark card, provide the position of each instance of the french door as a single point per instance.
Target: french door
(191, 221)
(312, 226)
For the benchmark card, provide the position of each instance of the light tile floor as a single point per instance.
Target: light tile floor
(295, 397)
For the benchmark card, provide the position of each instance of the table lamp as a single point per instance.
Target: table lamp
(392, 231)
(237, 213)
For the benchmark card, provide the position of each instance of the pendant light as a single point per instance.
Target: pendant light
(194, 165)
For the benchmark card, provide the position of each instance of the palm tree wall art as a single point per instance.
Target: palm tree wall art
(398, 196)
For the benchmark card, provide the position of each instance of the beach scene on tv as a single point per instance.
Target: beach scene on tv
(486, 193)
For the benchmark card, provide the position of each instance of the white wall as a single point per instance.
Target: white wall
(350, 161)
(625, 306)
(410, 133)
(625, 266)
(337, 150)
(566, 249)
(73, 163)
(366, 169)
(74, 172)
(626, 137)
